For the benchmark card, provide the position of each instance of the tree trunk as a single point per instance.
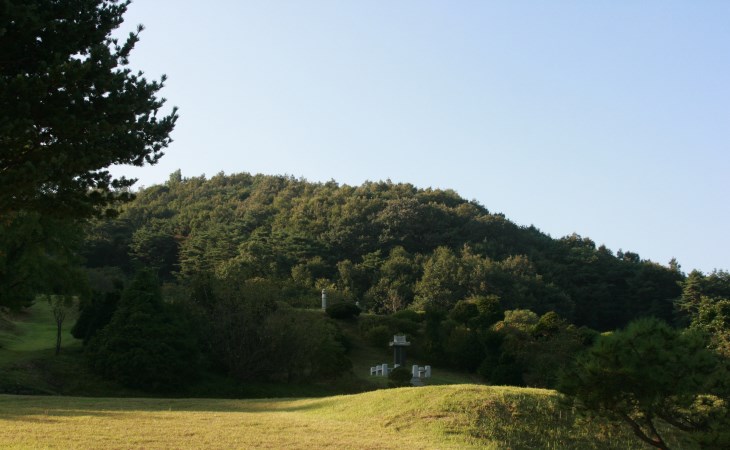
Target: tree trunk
(59, 324)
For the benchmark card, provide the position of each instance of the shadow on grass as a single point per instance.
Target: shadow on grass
(45, 408)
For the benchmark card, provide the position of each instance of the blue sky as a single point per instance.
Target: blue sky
(607, 119)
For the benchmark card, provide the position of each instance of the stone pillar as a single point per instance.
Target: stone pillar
(324, 299)
(399, 345)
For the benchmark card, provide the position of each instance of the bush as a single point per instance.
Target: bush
(378, 336)
(301, 348)
(465, 350)
(400, 377)
(145, 345)
(343, 311)
(408, 314)
(403, 326)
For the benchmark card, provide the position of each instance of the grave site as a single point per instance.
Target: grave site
(364, 225)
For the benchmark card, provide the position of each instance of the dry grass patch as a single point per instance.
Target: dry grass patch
(58, 422)
(435, 417)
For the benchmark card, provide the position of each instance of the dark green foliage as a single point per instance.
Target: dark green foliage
(464, 349)
(303, 346)
(506, 372)
(251, 336)
(650, 372)
(490, 311)
(705, 305)
(379, 336)
(146, 345)
(394, 289)
(403, 326)
(233, 311)
(343, 311)
(400, 377)
(305, 236)
(409, 315)
(464, 311)
(95, 314)
(540, 347)
(70, 107)
(37, 256)
(434, 336)
(154, 246)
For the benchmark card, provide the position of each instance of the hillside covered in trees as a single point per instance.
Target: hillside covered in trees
(388, 246)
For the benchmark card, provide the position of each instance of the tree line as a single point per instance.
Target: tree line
(388, 246)
(221, 275)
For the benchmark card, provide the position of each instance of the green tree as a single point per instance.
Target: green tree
(95, 314)
(464, 311)
(234, 310)
(70, 107)
(397, 276)
(705, 303)
(302, 345)
(651, 372)
(61, 305)
(713, 318)
(146, 345)
(37, 257)
(442, 283)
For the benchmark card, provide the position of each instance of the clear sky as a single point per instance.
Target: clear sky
(608, 119)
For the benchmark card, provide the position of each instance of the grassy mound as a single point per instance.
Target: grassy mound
(461, 416)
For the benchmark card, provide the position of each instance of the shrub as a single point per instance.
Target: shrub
(399, 377)
(343, 311)
(403, 326)
(378, 336)
(145, 345)
(408, 314)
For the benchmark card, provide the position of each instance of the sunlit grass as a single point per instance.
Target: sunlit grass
(461, 416)
(34, 330)
(457, 416)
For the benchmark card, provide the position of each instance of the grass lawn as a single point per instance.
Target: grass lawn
(460, 415)
(34, 330)
(435, 417)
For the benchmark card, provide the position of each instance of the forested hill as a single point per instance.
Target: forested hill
(387, 245)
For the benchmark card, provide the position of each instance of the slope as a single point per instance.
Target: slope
(463, 416)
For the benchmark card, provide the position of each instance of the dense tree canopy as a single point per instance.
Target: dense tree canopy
(649, 373)
(389, 246)
(70, 107)
(145, 344)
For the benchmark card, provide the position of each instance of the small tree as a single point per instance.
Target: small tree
(95, 314)
(343, 310)
(647, 373)
(400, 377)
(60, 306)
(145, 345)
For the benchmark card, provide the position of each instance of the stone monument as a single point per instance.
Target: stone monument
(399, 345)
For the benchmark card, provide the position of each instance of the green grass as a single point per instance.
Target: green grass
(28, 363)
(33, 330)
(459, 416)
